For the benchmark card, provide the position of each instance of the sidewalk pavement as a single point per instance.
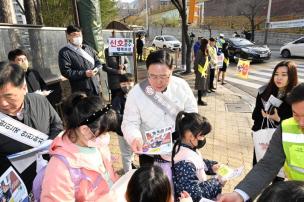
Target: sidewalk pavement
(230, 140)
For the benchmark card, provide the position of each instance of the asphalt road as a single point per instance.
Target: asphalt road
(260, 73)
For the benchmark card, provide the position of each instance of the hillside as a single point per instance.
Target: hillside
(232, 7)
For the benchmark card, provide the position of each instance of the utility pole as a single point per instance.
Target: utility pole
(147, 18)
(267, 25)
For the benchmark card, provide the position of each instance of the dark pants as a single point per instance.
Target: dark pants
(145, 160)
(140, 56)
(200, 94)
(212, 72)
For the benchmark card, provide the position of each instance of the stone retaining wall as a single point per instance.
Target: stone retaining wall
(274, 38)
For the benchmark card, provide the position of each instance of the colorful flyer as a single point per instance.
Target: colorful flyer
(12, 187)
(228, 173)
(158, 141)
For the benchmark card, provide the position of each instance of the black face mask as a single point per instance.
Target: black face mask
(200, 144)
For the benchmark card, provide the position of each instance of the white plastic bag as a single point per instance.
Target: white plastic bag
(261, 139)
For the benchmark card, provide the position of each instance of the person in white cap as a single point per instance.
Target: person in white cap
(219, 43)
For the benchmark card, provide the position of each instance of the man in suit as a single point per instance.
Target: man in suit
(79, 63)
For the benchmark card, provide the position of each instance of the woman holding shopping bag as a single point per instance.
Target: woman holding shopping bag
(271, 107)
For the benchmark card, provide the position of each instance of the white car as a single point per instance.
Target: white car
(166, 41)
(294, 48)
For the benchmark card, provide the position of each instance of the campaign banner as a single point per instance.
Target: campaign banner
(286, 24)
(243, 68)
(24, 159)
(20, 132)
(120, 46)
(12, 187)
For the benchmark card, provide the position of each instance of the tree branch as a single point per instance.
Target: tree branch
(177, 4)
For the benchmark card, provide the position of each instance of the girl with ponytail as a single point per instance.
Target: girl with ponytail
(80, 168)
(189, 169)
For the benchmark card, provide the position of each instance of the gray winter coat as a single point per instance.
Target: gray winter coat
(201, 83)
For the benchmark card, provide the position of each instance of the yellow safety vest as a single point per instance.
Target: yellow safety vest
(220, 42)
(203, 70)
(293, 145)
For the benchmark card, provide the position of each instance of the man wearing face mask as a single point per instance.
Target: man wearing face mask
(118, 104)
(34, 82)
(79, 63)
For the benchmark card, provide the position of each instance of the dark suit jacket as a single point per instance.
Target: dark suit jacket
(73, 67)
(34, 81)
(266, 169)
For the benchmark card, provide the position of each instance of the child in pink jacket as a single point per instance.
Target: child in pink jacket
(83, 147)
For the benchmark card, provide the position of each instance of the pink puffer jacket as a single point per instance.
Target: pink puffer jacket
(57, 183)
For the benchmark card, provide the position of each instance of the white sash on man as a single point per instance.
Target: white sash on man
(82, 53)
(22, 133)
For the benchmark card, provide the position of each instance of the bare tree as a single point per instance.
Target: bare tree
(6, 16)
(251, 9)
(33, 17)
(209, 28)
(33, 12)
(181, 6)
(6, 11)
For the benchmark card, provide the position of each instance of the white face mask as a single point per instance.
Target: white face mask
(77, 41)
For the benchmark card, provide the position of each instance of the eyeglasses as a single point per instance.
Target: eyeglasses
(161, 77)
(95, 115)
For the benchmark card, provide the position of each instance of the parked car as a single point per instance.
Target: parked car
(294, 48)
(243, 48)
(166, 41)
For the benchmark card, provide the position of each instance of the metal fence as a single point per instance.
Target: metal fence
(42, 45)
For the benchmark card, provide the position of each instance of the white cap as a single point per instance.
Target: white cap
(222, 35)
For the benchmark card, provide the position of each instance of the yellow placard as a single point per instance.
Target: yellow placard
(243, 68)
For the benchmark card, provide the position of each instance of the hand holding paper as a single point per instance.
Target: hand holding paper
(157, 142)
